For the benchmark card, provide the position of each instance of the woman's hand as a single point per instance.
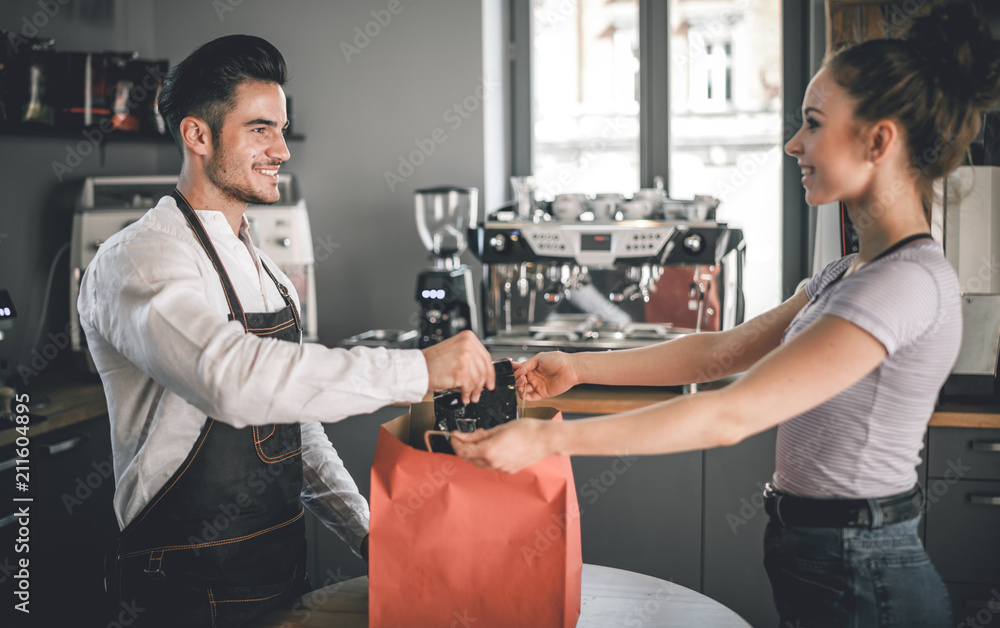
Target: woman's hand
(546, 375)
(509, 447)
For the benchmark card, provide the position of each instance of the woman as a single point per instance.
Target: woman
(849, 368)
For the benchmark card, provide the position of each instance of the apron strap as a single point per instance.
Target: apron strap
(283, 291)
(235, 307)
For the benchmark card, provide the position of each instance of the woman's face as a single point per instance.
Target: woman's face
(829, 147)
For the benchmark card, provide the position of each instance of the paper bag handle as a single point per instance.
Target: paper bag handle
(429, 433)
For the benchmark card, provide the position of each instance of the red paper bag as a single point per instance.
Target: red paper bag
(454, 545)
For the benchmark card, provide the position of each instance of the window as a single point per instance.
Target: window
(698, 103)
(585, 96)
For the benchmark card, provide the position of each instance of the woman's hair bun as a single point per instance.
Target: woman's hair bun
(954, 39)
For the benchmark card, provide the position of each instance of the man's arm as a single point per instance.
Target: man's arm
(329, 491)
(165, 323)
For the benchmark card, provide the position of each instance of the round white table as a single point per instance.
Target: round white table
(609, 597)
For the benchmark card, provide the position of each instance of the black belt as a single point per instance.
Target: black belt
(792, 510)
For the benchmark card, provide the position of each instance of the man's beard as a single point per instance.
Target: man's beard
(240, 193)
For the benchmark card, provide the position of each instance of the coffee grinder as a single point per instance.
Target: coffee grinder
(446, 291)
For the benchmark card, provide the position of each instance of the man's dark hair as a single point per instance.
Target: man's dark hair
(204, 84)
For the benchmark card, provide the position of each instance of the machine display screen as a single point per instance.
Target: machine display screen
(7, 310)
(595, 241)
(432, 287)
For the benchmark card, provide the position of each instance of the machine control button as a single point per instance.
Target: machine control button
(693, 243)
(285, 242)
(498, 242)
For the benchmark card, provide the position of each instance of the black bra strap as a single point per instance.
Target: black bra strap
(895, 247)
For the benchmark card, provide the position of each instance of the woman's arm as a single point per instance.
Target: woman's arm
(695, 358)
(825, 359)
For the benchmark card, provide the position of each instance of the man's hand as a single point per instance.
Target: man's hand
(460, 363)
(546, 375)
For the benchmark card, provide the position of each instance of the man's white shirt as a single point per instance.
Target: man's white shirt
(156, 321)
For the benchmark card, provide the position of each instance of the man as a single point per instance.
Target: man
(213, 399)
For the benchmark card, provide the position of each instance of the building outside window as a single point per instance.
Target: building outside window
(724, 111)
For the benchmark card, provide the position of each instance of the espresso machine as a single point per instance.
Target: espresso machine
(446, 291)
(598, 280)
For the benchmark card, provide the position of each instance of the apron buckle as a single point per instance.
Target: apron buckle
(158, 573)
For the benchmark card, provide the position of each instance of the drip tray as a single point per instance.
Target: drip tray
(571, 327)
(389, 338)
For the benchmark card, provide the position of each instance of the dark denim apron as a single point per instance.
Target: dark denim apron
(223, 541)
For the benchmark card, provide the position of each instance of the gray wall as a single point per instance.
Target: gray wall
(359, 115)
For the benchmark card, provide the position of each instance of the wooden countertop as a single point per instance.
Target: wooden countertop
(74, 398)
(610, 400)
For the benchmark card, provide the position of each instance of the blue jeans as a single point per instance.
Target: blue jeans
(854, 577)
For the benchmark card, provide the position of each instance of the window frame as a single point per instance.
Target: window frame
(798, 26)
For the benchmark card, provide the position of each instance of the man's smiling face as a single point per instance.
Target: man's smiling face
(251, 145)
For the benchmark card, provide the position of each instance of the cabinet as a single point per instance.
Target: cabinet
(72, 525)
(963, 517)
(734, 527)
(642, 514)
